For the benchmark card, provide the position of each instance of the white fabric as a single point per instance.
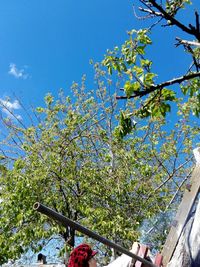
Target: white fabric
(187, 251)
(196, 153)
(122, 261)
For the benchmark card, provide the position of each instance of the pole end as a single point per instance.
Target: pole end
(36, 205)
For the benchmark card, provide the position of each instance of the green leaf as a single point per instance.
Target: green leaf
(145, 62)
(130, 88)
(140, 49)
(138, 70)
(148, 78)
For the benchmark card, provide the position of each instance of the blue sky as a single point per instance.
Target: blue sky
(45, 45)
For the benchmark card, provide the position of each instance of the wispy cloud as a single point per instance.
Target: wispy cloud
(9, 108)
(16, 72)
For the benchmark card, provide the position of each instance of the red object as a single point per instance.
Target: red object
(80, 256)
(158, 260)
(141, 253)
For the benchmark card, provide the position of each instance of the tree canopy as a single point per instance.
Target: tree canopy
(87, 158)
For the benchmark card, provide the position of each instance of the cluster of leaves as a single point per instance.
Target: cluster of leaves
(172, 7)
(126, 125)
(130, 61)
(191, 88)
(130, 50)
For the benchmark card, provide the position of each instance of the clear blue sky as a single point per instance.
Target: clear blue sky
(45, 45)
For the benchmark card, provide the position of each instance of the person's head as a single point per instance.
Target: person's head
(82, 256)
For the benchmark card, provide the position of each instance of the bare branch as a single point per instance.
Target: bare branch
(195, 60)
(190, 30)
(151, 12)
(177, 191)
(197, 21)
(186, 42)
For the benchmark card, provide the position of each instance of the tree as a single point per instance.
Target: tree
(79, 158)
(132, 62)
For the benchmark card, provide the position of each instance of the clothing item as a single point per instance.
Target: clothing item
(122, 261)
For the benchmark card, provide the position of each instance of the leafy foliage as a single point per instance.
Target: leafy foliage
(76, 160)
(132, 63)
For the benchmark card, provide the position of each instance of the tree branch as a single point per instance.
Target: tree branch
(186, 42)
(153, 88)
(191, 30)
(151, 12)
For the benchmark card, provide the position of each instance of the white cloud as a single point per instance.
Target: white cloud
(17, 73)
(10, 105)
(9, 108)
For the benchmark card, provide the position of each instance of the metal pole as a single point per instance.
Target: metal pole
(67, 222)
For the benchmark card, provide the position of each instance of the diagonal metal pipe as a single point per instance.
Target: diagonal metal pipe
(68, 222)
